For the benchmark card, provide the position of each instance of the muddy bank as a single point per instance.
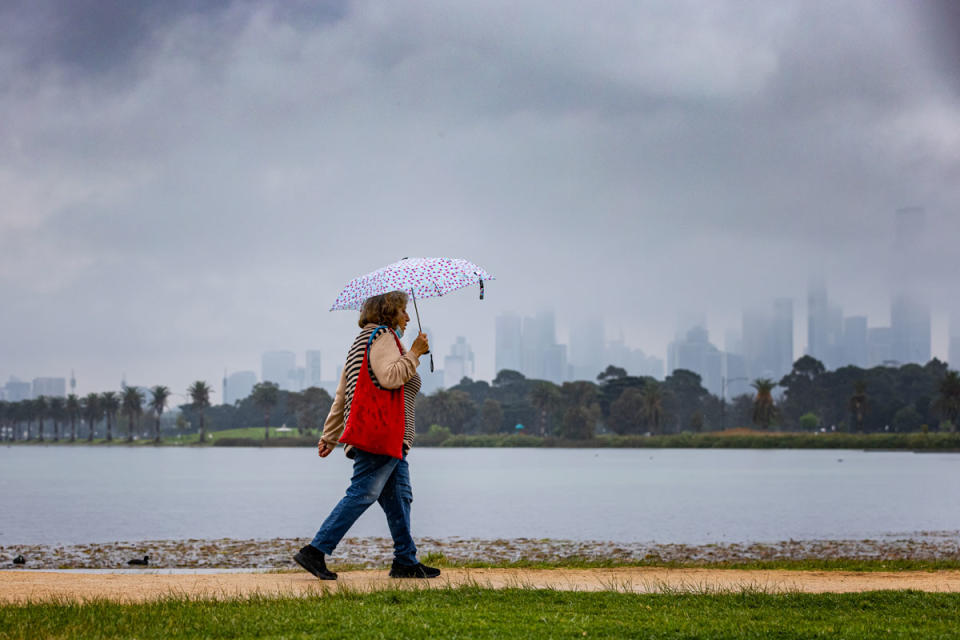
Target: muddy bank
(377, 552)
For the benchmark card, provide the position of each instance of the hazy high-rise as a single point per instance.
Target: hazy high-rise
(277, 366)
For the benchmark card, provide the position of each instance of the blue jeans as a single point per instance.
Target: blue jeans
(376, 478)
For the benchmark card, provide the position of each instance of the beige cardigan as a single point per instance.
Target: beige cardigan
(392, 371)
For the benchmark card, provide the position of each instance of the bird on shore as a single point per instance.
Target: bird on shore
(139, 562)
(19, 560)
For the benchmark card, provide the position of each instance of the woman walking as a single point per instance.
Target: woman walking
(377, 477)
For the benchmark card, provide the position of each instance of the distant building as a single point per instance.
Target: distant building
(314, 371)
(239, 385)
(879, 346)
(459, 363)
(782, 337)
(277, 366)
(735, 372)
(50, 387)
(16, 390)
(953, 355)
(854, 343)
(910, 329)
(587, 349)
(508, 347)
(695, 353)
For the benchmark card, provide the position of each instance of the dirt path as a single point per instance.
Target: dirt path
(21, 586)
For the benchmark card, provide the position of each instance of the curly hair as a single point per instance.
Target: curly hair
(384, 309)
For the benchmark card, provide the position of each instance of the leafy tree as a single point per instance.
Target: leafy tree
(56, 409)
(859, 403)
(697, 421)
(266, 395)
(491, 416)
(199, 393)
(311, 407)
(803, 388)
(611, 372)
(947, 403)
(507, 377)
(448, 408)
(764, 410)
(73, 412)
(110, 402)
(91, 412)
(627, 411)
(132, 404)
(907, 419)
(159, 396)
(579, 422)
(809, 421)
(683, 396)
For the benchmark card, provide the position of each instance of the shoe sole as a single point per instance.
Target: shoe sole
(414, 577)
(300, 560)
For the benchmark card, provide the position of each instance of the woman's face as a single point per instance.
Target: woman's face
(404, 319)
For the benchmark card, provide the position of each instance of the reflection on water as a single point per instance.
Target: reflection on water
(89, 494)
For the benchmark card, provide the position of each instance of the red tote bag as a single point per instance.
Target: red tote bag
(376, 423)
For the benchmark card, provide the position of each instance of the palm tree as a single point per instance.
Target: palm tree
(199, 393)
(91, 412)
(73, 410)
(858, 403)
(159, 395)
(56, 410)
(132, 406)
(110, 402)
(544, 397)
(947, 403)
(266, 395)
(40, 406)
(652, 403)
(764, 410)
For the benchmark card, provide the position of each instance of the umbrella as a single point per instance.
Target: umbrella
(423, 277)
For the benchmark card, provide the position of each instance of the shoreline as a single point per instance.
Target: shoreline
(373, 553)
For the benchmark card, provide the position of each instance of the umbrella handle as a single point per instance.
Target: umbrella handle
(417, 311)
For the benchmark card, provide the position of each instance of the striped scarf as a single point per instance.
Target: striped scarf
(410, 389)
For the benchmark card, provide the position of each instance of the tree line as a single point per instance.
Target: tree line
(95, 415)
(850, 399)
(901, 399)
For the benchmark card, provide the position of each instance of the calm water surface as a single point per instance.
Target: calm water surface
(101, 494)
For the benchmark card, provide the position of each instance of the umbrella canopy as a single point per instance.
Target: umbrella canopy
(421, 277)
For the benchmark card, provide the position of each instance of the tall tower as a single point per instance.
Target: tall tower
(73, 382)
(909, 311)
(225, 396)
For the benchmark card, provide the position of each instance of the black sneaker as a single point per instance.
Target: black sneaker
(418, 570)
(312, 559)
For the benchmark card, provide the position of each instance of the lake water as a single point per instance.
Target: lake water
(101, 494)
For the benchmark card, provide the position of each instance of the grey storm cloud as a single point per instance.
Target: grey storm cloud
(189, 183)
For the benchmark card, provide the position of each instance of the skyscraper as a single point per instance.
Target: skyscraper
(587, 349)
(314, 373)
(782, 337)
(277, 366)
(508, 347)
(695, 353)
(459, 363)
(909, 312)
(854, 343)
(239, 386)
(50, 387)
(818, 345)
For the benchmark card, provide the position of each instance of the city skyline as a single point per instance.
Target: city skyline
(189, 185)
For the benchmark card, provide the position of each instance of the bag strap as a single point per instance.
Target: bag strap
(376, 330)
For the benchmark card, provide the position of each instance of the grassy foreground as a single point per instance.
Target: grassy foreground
(473, 612)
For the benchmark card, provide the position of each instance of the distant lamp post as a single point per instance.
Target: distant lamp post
(723, 398)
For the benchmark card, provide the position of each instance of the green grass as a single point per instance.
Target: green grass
(473, 612)
(806, 564)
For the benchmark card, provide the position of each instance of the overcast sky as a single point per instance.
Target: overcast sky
(187, 184)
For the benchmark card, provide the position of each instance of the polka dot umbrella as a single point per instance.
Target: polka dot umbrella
(420, 277)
